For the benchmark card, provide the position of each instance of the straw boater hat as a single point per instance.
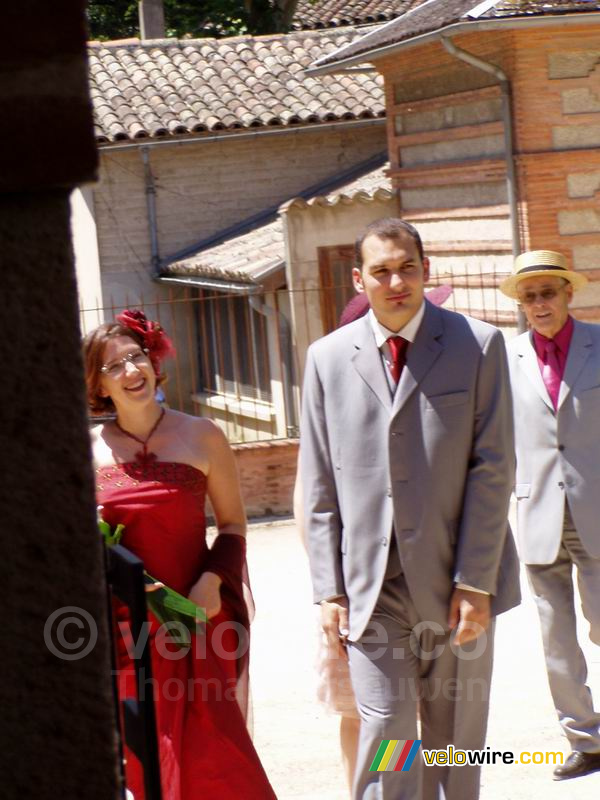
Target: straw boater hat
(539, 264)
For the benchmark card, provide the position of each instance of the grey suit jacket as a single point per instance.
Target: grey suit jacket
(434, 464)
(558, 452)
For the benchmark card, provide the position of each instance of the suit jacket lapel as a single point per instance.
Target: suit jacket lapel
(529, 364)
(367, 362)
(579, 352)
(421, 355)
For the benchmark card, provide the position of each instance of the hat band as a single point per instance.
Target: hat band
(540, 267)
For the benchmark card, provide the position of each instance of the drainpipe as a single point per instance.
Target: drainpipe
(285, 339)
(150, 190)
(511, 183)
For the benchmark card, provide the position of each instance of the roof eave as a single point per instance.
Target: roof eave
(450, 30)
(223, 136)
(253, 286)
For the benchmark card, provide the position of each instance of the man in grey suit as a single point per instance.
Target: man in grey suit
(555, 377)
(407, 466)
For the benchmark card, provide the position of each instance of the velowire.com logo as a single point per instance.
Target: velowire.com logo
(395, 755)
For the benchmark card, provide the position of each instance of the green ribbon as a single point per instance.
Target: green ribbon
(167, 605)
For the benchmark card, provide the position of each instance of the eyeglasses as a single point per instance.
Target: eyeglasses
(117, 368)
(529, 298)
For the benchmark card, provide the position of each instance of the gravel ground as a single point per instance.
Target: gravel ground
(298, 741)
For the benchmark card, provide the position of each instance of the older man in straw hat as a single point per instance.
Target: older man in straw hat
(555, 377)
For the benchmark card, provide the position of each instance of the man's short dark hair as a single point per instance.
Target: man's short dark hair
(387, 228)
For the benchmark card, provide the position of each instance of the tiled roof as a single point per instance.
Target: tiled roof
(374, 185)
(435, 15)
(521, 8)
(241, 258)
(167, 87)
(244, 258)
(313, 14)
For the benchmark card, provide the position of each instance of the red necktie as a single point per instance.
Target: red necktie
(551, 371)
(398, 347)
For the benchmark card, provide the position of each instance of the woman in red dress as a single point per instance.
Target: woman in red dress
(154, 469)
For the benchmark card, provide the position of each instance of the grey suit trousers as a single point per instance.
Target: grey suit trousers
(402, 669)
(552, 586)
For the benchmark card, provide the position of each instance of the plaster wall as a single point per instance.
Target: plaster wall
(85, 252)
(471, 195)
(201, 189)
(204, 188)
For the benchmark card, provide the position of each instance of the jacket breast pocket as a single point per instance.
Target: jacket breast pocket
(522, 490)
(439, 401)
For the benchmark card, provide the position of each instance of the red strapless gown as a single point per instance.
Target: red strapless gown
(205, 748)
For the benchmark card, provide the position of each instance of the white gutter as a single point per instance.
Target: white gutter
(454, 29)
(198, 282)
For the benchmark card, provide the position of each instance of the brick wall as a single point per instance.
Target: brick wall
(557, 120)
(554, 71)
(555, 81)
(267, 475)
(446, 148)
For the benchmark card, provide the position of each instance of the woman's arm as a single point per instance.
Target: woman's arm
(223, 488)
(223, 484)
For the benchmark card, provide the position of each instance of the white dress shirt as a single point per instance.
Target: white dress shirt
(382, 334)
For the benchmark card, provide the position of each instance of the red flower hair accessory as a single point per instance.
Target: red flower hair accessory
(156, 341)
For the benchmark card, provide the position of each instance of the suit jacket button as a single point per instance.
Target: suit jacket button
(561, 447)
(561, 485)
(384, 541)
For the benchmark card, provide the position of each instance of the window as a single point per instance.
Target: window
(335, 273)
(232, 347)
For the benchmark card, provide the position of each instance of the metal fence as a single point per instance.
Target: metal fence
(240, 357)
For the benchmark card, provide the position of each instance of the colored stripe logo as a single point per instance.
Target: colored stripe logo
(395, 755)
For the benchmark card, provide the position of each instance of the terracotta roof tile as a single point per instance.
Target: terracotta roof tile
(434, 15)
(374, 185)
(238, 259)
(519, 8)
(311, 14)
(175, 87)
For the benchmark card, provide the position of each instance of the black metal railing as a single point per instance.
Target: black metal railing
(125, 577)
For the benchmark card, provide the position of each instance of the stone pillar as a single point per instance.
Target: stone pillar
(58, 728)
(152, 19)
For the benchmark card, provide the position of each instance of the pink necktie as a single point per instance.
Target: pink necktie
(398, 347)
(551, 372)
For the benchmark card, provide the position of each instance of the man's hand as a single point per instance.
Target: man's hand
(334, 621)
(469, 613)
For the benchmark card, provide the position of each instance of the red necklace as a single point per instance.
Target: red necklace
(143, 456)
